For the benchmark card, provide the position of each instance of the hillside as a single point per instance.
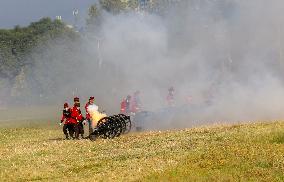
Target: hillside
(245, 152)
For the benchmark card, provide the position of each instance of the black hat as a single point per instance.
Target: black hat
(76, 99)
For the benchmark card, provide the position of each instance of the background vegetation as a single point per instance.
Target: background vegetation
(23, 49)
(20, 51)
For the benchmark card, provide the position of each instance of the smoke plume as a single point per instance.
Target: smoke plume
(227, 56)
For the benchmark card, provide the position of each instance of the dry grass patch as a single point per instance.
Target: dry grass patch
(228, 153)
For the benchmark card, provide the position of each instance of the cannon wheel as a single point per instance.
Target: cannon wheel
(127, 121)
(122, 122)
(119, 125)
(92, 137)
(109, 128)
(101, 121)
(112, 126)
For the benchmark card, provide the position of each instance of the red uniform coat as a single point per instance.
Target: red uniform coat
(66, 116)
(76, 115)
(123, 107)
(135, 104)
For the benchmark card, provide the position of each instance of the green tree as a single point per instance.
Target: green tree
(18, 48)
(94, 15)
(113, 6)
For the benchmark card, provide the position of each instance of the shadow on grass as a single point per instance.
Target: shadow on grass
(56, 139)
(64, 139)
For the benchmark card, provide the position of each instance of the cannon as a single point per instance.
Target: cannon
(111, 126)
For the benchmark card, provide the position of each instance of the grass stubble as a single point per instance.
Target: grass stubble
(243, 152)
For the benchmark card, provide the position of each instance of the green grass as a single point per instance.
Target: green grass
(30, 117)
(247, 152)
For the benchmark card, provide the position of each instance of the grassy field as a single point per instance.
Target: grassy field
(247, 152)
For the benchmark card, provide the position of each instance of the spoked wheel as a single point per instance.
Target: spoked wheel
(127, 122)
(109, 129)
(127, 126)
(119, 126)
(108, 135)
(101, 121)
(122, 124)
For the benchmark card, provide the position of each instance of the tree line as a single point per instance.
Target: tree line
(22, 49)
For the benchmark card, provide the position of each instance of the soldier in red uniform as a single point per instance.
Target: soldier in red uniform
(77, 118)
(123, 107)
(127, 105)
(88, 117)
(136, 102)
(66, 116)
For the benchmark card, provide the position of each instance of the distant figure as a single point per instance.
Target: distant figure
(136, 102)
(68, 127)
(77, 118)
(127, 105)
(89, 104)
(170, 97)
(123, 106)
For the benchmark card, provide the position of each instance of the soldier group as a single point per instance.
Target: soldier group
(131, 104)
(73, 119)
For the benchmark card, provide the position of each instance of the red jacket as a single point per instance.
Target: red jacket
(76, 115)
(123, 107)
(66, 116)
(135, 104)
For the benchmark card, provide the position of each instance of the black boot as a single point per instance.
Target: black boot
(66, 137)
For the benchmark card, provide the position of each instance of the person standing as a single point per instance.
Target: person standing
(88, 116)
(67, 127)
(170, 97)
(127, 105)
(123, 106)
(77, 118)
(136, 102)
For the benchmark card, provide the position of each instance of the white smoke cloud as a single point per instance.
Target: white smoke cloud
(229, 50)
(226, 55)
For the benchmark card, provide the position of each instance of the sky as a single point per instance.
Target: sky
(23, 12)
